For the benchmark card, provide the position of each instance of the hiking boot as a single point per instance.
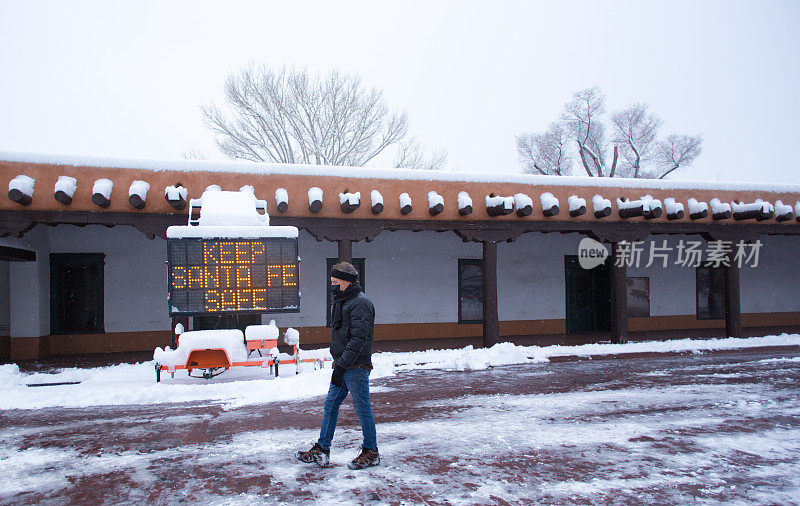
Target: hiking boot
(367, 458)
(316, 455)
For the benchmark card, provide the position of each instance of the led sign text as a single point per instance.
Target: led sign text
(239, 275)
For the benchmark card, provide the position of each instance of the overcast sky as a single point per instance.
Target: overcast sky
(126, 79)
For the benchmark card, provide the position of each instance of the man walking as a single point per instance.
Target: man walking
(351, 348)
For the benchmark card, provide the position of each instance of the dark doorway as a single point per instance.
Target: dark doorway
(710, 289)
(76, 293)
(588, 294)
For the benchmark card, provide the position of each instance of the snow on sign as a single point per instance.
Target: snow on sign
(217, 267)
(225, 275)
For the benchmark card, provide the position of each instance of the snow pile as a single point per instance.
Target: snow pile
(261, 332)
(220, 208)
(291, 337)
(213, 188)
(139, 188)
(230, 340)
(66, 185)
(10, 376)
(103, 187)
(135, 383)
(23, 184)
(469, 358)
(248, 188)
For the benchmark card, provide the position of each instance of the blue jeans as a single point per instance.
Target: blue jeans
(356, 381)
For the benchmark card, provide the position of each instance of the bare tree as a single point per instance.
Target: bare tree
(288, 116)
(677, 151)
(411, 155)
(634, 136)
(546, 153)
(635, 133)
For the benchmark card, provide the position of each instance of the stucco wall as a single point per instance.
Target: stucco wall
(411, 277)
(135, 276)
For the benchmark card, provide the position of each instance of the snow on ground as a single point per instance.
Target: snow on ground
(135, 383)
(667, 430)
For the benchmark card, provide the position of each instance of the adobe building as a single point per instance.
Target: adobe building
(446, 256)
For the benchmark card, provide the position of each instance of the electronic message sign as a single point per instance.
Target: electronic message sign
(213, 276)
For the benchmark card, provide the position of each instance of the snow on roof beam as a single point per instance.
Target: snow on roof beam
(435, 203)
(405, 204)
(376, 199)
(720, 210)
(282, 199)
(101, 192)
(697, 210)
(758, 210)
(20, 190)
(176, 195)
(783, 212)
(64, 189)
(577, 206)
(137, 194)
(464, 203)
(315, 199)
(499, 206)
(549, 204)
(349, 202)
(601, 206)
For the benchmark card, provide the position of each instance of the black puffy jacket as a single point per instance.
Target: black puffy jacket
(351, 340)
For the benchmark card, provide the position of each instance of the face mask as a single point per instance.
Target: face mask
(336, 290)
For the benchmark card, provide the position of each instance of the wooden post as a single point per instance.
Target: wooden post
(345, 250)
(619, 298)
(491, 325)
(733, 309)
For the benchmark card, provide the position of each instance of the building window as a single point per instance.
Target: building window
(76, 293)
(358, 263)
(470, 290)
(710, 293)
(638, 297)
